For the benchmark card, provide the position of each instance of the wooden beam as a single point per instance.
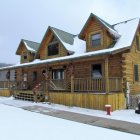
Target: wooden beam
(106, 75)
(72, 83)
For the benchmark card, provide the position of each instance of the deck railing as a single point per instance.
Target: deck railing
(7, 84)
(98, 84)
(73, 85)
(89, 84)
(62, 84)
(4, 84)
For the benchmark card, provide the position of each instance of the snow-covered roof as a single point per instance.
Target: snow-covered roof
(108, 27)
(70, 42)
(30, 46)
(126, 30)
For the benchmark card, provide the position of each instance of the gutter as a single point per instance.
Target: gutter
(66, 59)
(61, 60)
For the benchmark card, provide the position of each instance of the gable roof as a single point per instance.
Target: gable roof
(30, 46)
(69, 41)
(108, 27)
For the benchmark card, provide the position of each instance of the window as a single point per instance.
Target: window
(96, 71)
(53, 49)
(58, 74)
(25, 55)
(8, 75)
(25, 77)
(137, 43)
(96, 40)
(136, 74)
(34, 76)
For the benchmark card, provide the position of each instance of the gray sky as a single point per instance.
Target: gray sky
(29, 19)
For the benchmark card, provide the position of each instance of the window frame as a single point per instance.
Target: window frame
(25, 55)
(92, 66)
(25, 77)
(136, 73)
(34, 76)
(91, 38)
(137, 42)
(50, 45)
(58, 71)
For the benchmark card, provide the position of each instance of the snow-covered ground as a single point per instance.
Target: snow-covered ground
(19, 124)
(125, 115)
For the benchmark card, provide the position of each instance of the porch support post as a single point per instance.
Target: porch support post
(72, 83)
(47, 83)
(106, 76)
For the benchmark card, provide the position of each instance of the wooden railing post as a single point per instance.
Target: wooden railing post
(122, 85)
(4, 83)
(72, 83)
(106, 76)
(8, 86)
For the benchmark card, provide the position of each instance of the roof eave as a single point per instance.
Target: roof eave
(17, 53)
(120, 50)
(42, 41)
(57, 61)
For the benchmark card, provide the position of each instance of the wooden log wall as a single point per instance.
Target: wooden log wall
(131, 58)
(84, 69)
(115, 65)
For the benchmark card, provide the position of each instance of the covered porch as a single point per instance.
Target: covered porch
(96, 75)
(90, 83)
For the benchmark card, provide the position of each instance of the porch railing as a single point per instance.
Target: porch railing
(4, 84)
(62, 84)
(73, 85)
(97, 85)
(88, 84)
(8, 84)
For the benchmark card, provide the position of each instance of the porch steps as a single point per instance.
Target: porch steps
(24, 96)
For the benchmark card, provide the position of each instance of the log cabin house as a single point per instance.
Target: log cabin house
(87, 70)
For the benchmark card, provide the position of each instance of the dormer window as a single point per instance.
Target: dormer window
(25, 55)
(96, 40)
(137, 43)
(53, 49)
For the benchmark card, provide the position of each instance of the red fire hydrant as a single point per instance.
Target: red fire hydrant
(108, 109)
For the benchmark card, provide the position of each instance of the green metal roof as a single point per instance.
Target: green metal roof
(64, 36)
(33, 45)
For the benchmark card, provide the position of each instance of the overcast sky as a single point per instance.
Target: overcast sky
(29, 19)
